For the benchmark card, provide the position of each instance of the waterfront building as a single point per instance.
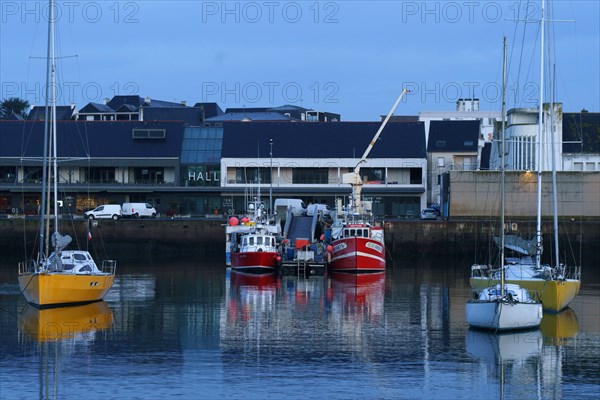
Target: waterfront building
(201, 161)
(309, 159)
(140, 150)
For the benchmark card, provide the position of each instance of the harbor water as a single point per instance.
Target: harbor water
(188, 328)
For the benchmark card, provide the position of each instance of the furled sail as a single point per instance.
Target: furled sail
(60, 242)
(517, 243)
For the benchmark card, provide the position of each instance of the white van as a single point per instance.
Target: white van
(105, 211)
(298, 207)
(138, 210)
(322, 209)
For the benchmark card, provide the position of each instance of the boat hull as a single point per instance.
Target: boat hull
(59, 289)
(357, 254)
(254, 261)
(554, 295)
(497, 315)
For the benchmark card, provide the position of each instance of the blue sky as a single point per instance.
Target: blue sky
(349, 57)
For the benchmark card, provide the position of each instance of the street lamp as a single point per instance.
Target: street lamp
(271, 187)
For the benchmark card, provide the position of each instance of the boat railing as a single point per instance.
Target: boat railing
(109, 266)
(571, 272)
(27, 267)
(480, 271)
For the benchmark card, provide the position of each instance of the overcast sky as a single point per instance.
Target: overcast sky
(348, 57)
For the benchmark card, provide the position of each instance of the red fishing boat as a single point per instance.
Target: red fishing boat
(357, 247)
(357, 244)
(255, 251)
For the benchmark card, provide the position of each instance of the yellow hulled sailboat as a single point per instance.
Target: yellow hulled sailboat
(556, 285)
(61, 277)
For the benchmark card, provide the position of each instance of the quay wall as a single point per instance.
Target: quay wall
(405, 239)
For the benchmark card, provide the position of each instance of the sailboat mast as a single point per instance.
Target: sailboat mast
(43, 196)
(554, 189)
(538, 230)
(502, 169)
(53, 110)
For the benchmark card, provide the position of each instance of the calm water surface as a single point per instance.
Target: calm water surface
(190, 329)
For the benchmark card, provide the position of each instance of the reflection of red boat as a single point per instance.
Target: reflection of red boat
(251, 294)
(359, 248)
(359, 293)
(257, 281)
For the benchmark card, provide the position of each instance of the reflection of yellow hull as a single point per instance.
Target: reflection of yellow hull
(554, 295)
(55, 289)
(560, 326)
(65, 322)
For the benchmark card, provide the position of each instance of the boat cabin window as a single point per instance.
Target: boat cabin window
(79, 257)
(273, 242)
(85, 268)
(252, 241)
(259, 240)
(68, 267)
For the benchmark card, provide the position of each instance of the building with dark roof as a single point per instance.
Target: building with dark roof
(136, 108)
(581, 141)
(452, 145)
(309, 159)
(63, 113)
(198, 169)
(286, 112)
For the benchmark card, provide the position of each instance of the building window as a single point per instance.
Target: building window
(577, 166)
(310, 176)
(252, 174)
(373, 175)
(8, 174)
(416, 176)
(97, 175)
(149, 175)
(590, 166)
(32, 174)
(440, 143)
(149, 133)
(201, 145)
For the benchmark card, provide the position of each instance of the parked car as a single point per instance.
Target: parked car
(429, 213)
(104, 211)
(138, 210)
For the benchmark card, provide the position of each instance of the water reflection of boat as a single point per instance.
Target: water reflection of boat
(254, 281)
(504, 346)
(358, 293)
(54, 324)
(562, 325)
(251, 295)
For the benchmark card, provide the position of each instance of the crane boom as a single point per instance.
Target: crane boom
(354, 178)
(363, 159)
